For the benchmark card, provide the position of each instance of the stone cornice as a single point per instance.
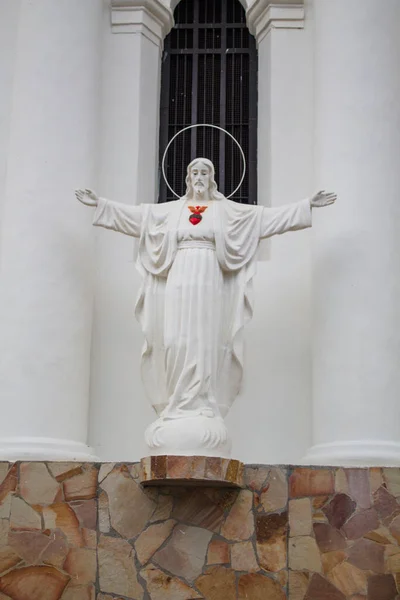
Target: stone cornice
(150, 18)
(264, 15)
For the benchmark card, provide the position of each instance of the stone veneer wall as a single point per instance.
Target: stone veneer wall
(91, 532)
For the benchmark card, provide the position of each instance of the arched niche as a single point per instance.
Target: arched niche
(172, 4)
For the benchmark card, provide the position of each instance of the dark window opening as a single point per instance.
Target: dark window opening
(209, 75)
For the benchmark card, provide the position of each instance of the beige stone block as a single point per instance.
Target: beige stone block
(151, 539)
(105, 469)
(82, 486)
(392, 561)
(29, 545)
(61, 516)
(57, 550)
(255, 477)
(64, 470)
(391, 477)
(255, 586)
(184, 555)
(341, 483)
(243, 557)
(298, 584)
(239, 524)
(87, 592)
(283, 577)
(9, 483)
(304, 554)
(89, 538)
(4, 529)
(300, 517)
(375, 479)
(3, 471)
(23, 516)
(36, 485)
(275, 497)
(331, 559)
(5, 506)
(381, 535)
(164, 587)
(80, 564)
(103, 513)
(123, 494)
(117, 571)
(217, 583)
(8, 559)
(348, 579)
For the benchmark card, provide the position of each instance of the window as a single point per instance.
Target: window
(209, 75)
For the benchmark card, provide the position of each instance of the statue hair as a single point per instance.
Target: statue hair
(213, 189)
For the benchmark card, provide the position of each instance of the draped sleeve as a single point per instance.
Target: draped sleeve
(290, 217)
(124, 218)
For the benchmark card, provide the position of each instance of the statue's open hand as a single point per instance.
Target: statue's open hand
(88, 197)
(322, 198)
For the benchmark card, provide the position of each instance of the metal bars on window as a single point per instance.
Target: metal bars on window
(209, 75)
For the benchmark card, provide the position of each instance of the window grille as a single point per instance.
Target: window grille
(209, 75)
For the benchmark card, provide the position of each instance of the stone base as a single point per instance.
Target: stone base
(80, 531)
(191, 471)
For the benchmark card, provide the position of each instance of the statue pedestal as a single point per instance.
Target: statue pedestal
(203, 471)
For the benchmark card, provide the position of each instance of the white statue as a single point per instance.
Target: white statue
(197, 257)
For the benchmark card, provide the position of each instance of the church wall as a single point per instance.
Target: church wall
(276, 395)
(8, 40)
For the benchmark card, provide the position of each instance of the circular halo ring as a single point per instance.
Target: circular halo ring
(203, 125)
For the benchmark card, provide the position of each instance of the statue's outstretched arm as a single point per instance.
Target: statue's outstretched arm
(292, 217)
(124, 218)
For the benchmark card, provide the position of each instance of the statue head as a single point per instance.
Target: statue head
(201, 177)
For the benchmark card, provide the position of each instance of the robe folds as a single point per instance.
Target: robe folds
(196, 294)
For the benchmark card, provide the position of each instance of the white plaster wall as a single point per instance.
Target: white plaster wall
(270, 421)
(9, 13)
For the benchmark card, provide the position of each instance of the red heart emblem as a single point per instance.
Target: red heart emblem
(195, 219)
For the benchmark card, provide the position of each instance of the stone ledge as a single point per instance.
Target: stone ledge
(191, 471)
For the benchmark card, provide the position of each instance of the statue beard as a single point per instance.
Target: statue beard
(199, 189)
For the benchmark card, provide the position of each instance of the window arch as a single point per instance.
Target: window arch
(209, 75)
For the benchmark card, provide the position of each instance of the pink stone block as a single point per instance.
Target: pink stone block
(311, 482)
(359, 486)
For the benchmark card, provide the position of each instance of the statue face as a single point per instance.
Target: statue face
(200, 177)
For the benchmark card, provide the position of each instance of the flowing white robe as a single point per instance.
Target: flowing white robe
(196, 295)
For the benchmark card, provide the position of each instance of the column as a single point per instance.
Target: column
(131, 104)
(46, 247)
(280, 400)
(132, 45)
(356, 385)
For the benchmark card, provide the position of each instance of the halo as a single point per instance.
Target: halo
(203, 125)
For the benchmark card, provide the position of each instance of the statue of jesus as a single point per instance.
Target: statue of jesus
(197, 258)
